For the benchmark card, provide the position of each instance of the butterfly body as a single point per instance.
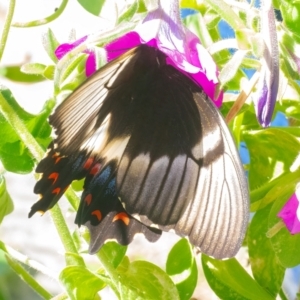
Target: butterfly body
(163, 154)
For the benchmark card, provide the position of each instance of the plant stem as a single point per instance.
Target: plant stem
(14, 254)
(282, 295)
(7, 23)
(28, 278)
(110, 270)
(43, 21)
(37, 152)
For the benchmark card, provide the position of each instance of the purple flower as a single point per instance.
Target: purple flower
(267, 90)
(290, 213)
(90, 64)
(162, 29)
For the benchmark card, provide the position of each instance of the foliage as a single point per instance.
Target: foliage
(272, 171)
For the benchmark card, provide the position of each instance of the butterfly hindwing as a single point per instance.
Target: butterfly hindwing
(58, 171)
(102, 213)
(170, 157)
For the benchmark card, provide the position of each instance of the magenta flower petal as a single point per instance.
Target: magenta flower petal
(290, 216)
(90, 64)
(162, 29)
(122, 44)
(63, 49)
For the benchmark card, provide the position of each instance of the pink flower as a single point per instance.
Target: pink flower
(90, 64)
(290, 213)
(162, 29)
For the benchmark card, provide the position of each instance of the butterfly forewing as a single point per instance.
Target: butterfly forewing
(172, 160)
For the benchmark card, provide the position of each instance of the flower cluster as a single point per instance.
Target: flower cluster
(162, 29)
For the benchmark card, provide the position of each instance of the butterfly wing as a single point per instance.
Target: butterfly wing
(103, 214)
(176, 165)
(181, 170)
(87, 146)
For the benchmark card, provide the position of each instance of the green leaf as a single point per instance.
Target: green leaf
(291, 108)
(14, 73)
(291, 15)
(77, 185)
(231, 68)
(114, 252)
(73, 73)
(265, 266)
(268, 162)
(285, 245)
(73, 259)
(33, 68)
(92, 6)
(80, 283)
(50, 44)
(181, 262)
(128, 14)
(6, 204)
(229, 280)
(13, 152)
(143, 280)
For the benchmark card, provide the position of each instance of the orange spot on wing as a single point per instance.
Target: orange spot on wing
(88, 199)
(56, 191)
(53, 176)
(88, 163)
(97, 214)
(56, 157)
(95, 169)
(123, 217)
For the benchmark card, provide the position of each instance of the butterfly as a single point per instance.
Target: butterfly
(156, 156)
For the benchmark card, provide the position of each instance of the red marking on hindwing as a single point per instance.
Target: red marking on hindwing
(88, 163)
(97, 214)
(56, 157)
(123, 217)
(88, 199)
(56, 191)
(53, 176)
(95, 169)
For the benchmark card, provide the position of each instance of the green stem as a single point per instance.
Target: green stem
(38, 153)
(14, 254)
(7, 23)
(282, 295)
(64, 234)
(43, 21)
(237, 123)
(113, 277)
(110, 270)
(28, 278)
(226, 13)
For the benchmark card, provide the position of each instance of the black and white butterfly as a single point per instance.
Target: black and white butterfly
(155, 153)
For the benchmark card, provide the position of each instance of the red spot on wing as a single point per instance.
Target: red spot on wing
(88, 163)
(56, 191)
(88, 199)
(95, 169)
(56, 157)
(97, 214)
(53, 176)
(123, 217)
